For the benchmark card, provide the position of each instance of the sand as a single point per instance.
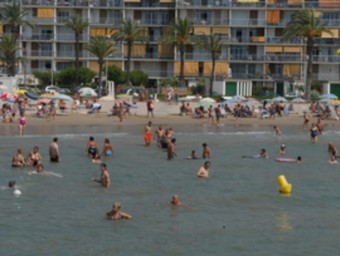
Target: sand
(165, 114)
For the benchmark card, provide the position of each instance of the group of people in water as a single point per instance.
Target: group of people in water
(34, 158)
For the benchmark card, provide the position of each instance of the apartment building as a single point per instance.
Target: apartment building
(251, 31)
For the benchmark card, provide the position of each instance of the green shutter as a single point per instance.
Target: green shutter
(335, 89)
(230, 88)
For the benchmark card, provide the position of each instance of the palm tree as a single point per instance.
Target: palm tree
(14, 16)
(101, 47)
(8, 49)
(306, 24)
(130, 32)
(213, 44)
(77, 24)
(179, 34)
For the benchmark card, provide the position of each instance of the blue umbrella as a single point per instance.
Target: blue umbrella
(329, 96)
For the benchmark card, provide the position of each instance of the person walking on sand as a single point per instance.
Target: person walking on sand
(149, 107)
(104, 176)
(53, 150)
(172, 149)
(206, 151)
(22, 124)
(148, 133)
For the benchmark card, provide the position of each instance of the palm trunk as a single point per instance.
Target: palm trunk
(77, 49)
(129, 48)
(101, 63)
(212, 75)
(309, 53)
(181, 72)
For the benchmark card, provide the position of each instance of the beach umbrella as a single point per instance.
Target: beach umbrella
(88, 93)
(8, 97)
(44, 101)
(334, 102)
(207, 101)
(124, 97)
(279, 99)
(20, 92)
(48, 95)
(298, 100)
(107, 99)
(329, 96)
(239, 98)
(31, 96)
(62, 97)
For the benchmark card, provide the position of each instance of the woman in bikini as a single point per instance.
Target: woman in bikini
(116, 213)
(18, 159)
(34, 158)
(107, 148)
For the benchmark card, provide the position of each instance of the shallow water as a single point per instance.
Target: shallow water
(237, 211)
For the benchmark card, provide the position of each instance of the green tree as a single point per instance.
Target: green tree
(101, 47)
(130, 32)
(14, 16)
(180, 35)
(116, 74)
(77, 24)
(139, 77)
(44, 77)
(66, 76)
(307, 25)
(8, 49)
(213, 44)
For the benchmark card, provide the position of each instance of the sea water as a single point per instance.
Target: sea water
(237, 211)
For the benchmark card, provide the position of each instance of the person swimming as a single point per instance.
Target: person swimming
(107, 148)
(193, 155)
(12, 185)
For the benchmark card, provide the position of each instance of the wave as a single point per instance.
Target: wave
(69, 135)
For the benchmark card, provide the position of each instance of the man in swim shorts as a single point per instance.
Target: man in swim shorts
(116, 213)
(92, 147)
(148, 133)
(104, 176)
(54, 150)
(172, 149)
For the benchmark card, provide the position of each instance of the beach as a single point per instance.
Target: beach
(165, 114)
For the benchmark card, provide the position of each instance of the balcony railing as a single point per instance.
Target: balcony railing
(105, 21)
(36, 37)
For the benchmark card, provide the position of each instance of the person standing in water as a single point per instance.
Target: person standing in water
(206, 151)
(22, 124)
(172, 149)
(104, 176)
(54, 150)
(117, 214)
(148, 133)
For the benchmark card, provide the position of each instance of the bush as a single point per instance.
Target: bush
(116, 74)
(67, 77)
(139, 77)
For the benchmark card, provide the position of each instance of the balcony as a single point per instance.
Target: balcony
(326, 58)
(38, 2)
(36, 37)
(71, 37)
(41, 21)
(106, 21)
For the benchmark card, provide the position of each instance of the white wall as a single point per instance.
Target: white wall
(328, 73)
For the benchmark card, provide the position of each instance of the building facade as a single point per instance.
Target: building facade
(251, 32)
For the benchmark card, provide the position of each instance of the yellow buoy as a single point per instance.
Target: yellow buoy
(285, 187)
